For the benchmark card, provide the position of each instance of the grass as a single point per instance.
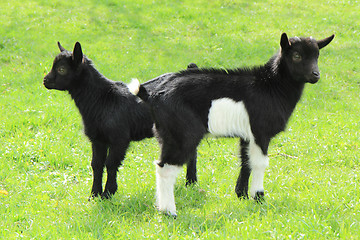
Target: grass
(312, 184)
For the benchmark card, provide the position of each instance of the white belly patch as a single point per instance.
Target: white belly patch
(228, 118)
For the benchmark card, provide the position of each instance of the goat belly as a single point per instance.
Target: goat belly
(228, 118)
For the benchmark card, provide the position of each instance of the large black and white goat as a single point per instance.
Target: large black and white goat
(112, 116)
(251, 103)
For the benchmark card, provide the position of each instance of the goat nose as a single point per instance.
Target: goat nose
(316, 74)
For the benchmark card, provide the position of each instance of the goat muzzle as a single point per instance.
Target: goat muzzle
(48, 83)
(314, 77)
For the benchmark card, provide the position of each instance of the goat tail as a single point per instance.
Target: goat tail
(138, 90)
(134, 86)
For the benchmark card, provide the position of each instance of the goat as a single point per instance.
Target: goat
(253, 104)
(112, 116)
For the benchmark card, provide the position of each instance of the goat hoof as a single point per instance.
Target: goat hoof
(170, 215)
(106, 195)
(242, 195)
(94, 195)
(190, 182)
(259, 197)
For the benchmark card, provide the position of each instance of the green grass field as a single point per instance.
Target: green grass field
(312, 186)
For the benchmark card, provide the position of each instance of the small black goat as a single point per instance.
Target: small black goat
(251, 103)
(112, 116)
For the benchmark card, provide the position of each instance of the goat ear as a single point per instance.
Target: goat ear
(322, 43)
(77, 55)
(284, 42)
(61, 47)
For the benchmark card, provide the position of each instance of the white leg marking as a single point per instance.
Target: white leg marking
(165, 181)
(228, 118)
(258, 163)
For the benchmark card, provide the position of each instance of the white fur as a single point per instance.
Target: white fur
(228, 118)
(297, 39)
(258, 163)
(134, 86)
(165, 182)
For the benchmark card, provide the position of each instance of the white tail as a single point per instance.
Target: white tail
(134, 86)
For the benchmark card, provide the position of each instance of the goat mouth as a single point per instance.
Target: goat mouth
(48, 85)
(313, 79)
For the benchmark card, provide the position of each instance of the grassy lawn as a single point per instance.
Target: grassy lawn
(312, 186)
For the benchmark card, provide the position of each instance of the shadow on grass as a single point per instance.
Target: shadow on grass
(133, 206)
(142, 204)
(201, 212)
(192, 202)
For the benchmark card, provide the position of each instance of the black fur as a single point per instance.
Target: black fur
(112, 116)
(269, 92)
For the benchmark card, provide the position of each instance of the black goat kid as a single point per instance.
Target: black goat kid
(251, 103)
(112, 116)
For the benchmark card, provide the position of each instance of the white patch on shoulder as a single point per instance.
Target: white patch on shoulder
(134, 86)
(228, 118)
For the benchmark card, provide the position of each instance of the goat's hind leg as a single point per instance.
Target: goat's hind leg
(99, 152)
(172, 159)
(165, 181)
(179, 133)
(191, 177)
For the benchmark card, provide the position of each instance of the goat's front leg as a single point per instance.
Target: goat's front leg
(191, 177)
(242, 184)
(99, 152)
(115, 157)
(258, 162)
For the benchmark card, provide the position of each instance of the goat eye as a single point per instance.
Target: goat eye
(296, 57)
(61, 70)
